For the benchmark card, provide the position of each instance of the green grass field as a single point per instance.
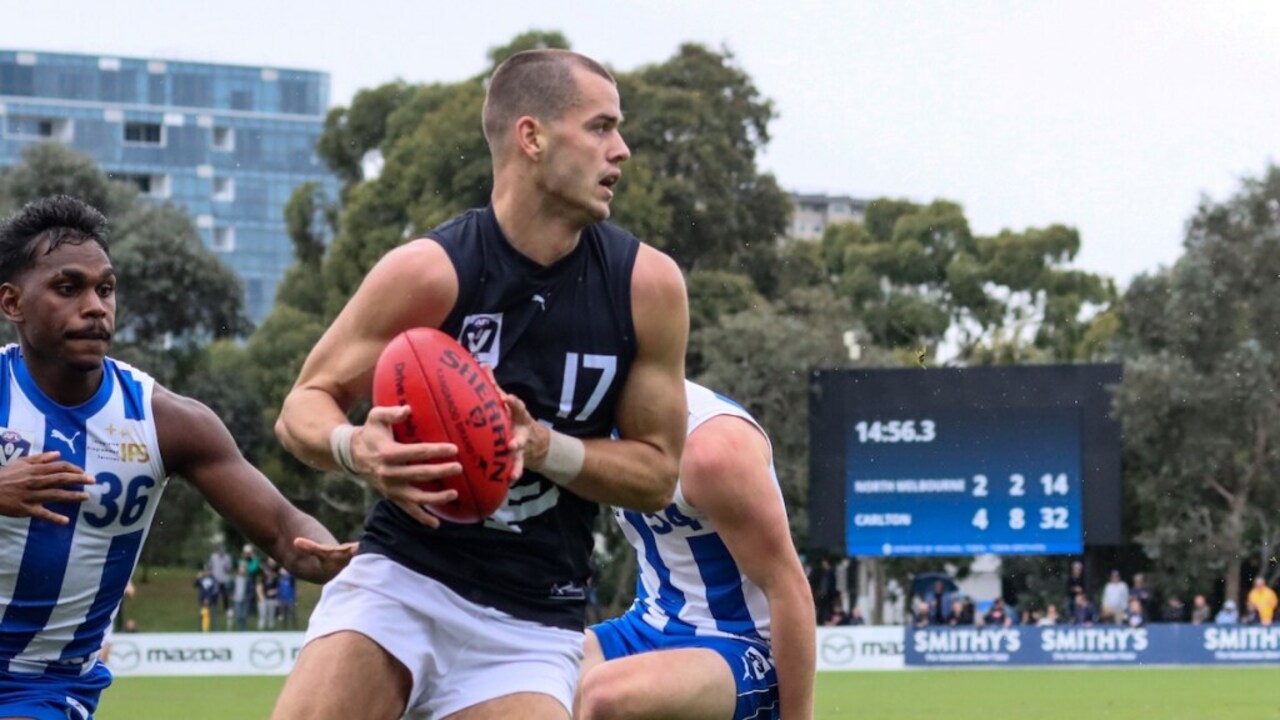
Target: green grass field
(1064, 694)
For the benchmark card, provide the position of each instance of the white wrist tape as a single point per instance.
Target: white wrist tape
(340, 446)
(565, 457)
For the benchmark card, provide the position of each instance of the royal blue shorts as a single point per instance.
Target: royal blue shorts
(751, 662)
(54, 695)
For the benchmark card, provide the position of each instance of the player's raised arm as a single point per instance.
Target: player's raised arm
(413, 285)
(725, 474)
(195, 444)
(639, 469)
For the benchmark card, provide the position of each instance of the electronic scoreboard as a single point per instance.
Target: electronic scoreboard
(1017, 460)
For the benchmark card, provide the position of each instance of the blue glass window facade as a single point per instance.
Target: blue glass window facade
(227, 143)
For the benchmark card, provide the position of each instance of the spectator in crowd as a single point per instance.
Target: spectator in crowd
(129, 592)
(1050, 616)
(855, 616)
(1115, 599)
(920, 612)
(241, 594)
(837, 617)
(941, 604)
(962, 612)
(1135, 615)
(1262, 601)
(1174, 611)
(207, 596)
(130, 626)
(1076, 585)
(252, 564)
(104, 654)
(1141, 592)
(998, 615)
(1083, 612)
(1201, 613)
(268, 591)
(222, 567)
(288, 601)
(822, 583)
(1229, 614)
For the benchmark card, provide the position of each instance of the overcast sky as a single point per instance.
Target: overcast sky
(1114, 117)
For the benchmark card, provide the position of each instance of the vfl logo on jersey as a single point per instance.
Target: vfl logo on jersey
(68, 441)
(482, 335)
(13, 444)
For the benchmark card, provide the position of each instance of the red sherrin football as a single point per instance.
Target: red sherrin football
(451, 400)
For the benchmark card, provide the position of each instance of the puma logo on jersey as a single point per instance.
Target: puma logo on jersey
(542, 301)
(70, 441)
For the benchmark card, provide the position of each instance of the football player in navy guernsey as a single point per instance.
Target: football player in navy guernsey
(86, 447)
(723, 618)
(585, 329)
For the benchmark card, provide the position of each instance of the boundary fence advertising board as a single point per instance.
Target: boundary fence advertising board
(838, 648)
(1099, 645)
(204, 654)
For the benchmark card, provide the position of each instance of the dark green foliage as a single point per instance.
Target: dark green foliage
(1199, 404)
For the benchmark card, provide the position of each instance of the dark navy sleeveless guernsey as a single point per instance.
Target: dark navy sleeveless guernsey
(561, 339)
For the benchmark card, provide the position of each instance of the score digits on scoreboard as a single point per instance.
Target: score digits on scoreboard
(965, 481)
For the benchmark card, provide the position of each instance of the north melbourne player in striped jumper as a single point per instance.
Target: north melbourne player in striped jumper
(86, 446)
(723, 622)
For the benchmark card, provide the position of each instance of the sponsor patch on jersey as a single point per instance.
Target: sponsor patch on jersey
(482, 335)
(567, 591)
(14, 444)
(134, 452)
(124, 446)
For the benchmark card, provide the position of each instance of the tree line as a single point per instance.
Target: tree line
(1200, 340)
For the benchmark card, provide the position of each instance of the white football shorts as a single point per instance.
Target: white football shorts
(459, 653)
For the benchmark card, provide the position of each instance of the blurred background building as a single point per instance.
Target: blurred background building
(228, 143)
(812, 214)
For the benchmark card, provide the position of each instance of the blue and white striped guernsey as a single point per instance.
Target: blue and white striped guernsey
(60, 584)
(689, 584)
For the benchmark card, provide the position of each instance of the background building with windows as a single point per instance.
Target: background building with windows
(811, 214)
(227, 143)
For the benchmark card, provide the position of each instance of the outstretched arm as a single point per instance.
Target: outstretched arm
(726, 474)
(195, 444)
(639, 469)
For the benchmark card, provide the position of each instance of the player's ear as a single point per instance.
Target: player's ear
(531, 140)
(10, 295)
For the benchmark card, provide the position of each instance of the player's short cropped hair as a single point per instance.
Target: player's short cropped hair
(537, 83)
(58, 219)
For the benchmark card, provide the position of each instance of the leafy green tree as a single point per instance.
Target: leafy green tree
(1198, 403)
(351, 133)
(311, 218)
(918, 277)
(696, 124)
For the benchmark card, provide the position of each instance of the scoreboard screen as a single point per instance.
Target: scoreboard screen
(1009, 460)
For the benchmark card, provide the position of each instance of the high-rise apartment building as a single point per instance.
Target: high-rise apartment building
(227, 143)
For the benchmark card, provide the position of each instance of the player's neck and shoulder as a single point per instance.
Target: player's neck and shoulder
(727, 456)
